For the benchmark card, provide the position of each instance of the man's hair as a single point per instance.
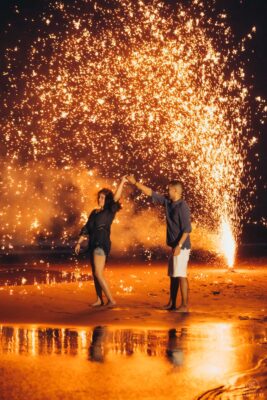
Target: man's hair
(176, 183)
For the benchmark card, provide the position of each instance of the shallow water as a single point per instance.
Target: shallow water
(14, 276)
(199, 361)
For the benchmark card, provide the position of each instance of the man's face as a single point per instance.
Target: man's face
(174, 192)
(101, 200)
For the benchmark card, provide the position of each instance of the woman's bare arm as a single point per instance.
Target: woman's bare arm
(78, 244)
(81, 239)
(118, 192)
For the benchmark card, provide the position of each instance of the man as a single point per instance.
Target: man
(178, 238)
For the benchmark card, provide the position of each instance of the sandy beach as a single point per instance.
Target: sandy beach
(140, 291)
(54, 345)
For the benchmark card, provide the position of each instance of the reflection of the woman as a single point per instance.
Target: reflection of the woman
(174, 351)
(96, 349)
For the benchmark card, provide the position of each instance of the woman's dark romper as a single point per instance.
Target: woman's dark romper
(98, 226)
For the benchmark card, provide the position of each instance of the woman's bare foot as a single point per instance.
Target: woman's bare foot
(98, 303)
(169, 306)
(182, 308)
(111, 304)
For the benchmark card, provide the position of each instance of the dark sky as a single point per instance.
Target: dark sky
(243, 15)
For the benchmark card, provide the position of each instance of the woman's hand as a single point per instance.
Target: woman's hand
(124, 179)
(77, 248)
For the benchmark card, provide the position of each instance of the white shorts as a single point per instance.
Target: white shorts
(177, 265)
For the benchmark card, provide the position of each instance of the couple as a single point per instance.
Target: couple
(178, 238)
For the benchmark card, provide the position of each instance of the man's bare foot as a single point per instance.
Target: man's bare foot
(98, 303)
(182, 308)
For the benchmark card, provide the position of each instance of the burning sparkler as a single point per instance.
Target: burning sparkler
(227, 242)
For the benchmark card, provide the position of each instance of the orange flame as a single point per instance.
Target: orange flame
(227, 242)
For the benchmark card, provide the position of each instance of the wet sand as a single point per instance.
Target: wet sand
(197, 361)
(140, 291)
(54, 345)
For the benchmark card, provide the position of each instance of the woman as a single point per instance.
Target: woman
(97, 228)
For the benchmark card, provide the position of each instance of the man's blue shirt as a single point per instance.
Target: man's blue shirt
(177, 217)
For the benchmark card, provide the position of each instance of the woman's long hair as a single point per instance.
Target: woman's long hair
(109, 198)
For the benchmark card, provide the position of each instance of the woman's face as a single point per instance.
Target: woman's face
(101, 200)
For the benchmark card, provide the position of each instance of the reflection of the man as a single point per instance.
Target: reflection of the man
(174, 351)
(97, 346)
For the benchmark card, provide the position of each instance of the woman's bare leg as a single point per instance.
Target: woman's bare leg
(98, 289)
(99, 263)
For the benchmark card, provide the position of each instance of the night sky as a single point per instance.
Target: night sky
(242, 16)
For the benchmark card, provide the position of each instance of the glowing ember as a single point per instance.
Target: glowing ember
(227, 242)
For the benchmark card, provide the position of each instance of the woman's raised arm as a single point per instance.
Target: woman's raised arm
(118, 192)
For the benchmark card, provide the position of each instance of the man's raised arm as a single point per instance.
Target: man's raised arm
(145, 189)
(156, 197)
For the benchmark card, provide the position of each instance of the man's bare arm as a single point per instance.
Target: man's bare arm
(145, 189)
(183, 238)
(177, 249)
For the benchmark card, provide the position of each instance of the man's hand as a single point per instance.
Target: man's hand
(131, 179)
(145, 189)
(77, 248)
(176, 251)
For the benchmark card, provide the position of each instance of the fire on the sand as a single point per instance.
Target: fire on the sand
(227, 242)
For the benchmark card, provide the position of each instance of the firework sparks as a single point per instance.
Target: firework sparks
(133, 87)
(227, 242)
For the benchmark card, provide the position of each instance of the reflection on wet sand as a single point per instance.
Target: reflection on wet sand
(100, 340)
(14, 276)
(202, 356)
